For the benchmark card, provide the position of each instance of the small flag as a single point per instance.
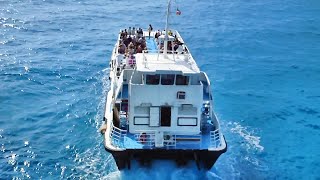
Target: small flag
(178, 12)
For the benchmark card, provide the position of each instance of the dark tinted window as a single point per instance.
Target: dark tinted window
(182, 80)
(167, 79)
(153, 79)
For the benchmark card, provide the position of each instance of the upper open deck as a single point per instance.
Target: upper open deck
(148, 54)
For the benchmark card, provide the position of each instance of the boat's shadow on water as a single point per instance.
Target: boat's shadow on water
(163, 169)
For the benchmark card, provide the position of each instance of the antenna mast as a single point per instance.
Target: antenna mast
(167, 23)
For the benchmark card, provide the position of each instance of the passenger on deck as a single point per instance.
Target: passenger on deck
(122, 34)
(157, 34)
(131, 60)
(176, 40)
(140, 32)
(129, 39)
(131, 48)
(139, 49)
(169, 46)
(134, 40)
(140, 40)
(133, 31)
(150, 29)
(170, 33)
(122, 48)
(126, 41)
(129, 31)
(161, 47)
(125, 32)
(175, 46)
(143, 43)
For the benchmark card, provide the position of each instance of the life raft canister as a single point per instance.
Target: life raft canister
(143, 137)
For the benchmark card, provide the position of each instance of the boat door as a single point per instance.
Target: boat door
(165, 116)
(154, 117)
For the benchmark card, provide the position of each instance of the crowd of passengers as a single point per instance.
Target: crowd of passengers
(132, 41)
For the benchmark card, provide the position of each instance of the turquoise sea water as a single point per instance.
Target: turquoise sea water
(262, 58)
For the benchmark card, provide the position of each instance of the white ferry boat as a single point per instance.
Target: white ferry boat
(160, 104)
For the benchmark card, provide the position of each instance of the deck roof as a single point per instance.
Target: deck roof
(152, 62)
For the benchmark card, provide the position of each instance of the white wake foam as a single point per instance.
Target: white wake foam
(253, 142)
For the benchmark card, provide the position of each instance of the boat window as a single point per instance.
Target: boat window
(181, 95)
(167, 79)
(182, 80)
(187, 110)
(142, 110)
(152, 79)
(124, 106)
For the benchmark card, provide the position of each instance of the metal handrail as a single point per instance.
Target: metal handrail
(215, 141)
(161, 51)
(118, 85)
(117, 136)
(147, 138)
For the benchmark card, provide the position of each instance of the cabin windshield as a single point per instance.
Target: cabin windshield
(167, 79)
(182, 80)
(152, 79)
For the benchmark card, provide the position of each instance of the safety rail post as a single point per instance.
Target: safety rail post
(144, 59)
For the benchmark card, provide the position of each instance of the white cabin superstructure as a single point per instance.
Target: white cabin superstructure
(159, 100)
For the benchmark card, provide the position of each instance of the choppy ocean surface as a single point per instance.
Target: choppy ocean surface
(263, 59)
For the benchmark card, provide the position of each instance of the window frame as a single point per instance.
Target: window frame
(154, 75)
(185, 80)
(168, 79)
(181, 93)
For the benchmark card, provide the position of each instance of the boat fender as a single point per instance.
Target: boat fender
(103, 128)
(143, 137)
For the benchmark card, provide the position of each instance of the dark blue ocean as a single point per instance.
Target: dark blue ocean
(262, 57)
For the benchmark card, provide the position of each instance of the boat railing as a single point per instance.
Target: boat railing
(147, 138)
(117, 136)
(170, 140)
(118, 85)
(215, 141)
(190, 140)
(161, 51)
(188, 57)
